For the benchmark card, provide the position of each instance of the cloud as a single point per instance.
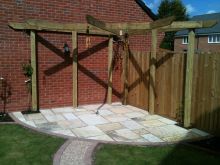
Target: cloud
(153, 5)
(190, 9)
(211, 11)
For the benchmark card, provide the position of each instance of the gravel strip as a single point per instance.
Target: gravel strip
(78, 153)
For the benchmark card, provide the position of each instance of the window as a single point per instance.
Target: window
(215, 38)
(185, 40)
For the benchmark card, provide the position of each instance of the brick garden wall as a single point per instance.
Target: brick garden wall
(54, 70)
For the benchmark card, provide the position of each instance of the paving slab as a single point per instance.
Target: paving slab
(40, 121)
(89, 131)
(93, 119)
(31, 123)
(168, 131)
(64, 132)
(52, 126)
(79, 113)
(152, 123)
(105, 112)
(126, 133)
(135, 114)
(120, 110)
(141, 131)
(132, 125)
(54, 118)
(198, 132)
(116, 118)
(101, 137)
(70, 116)
(151, 138)
(34, 116)
(180, 137)
(46, 112)
(77, 124)
(19, 116)
(63, 110)
(110, 127)
(117, 137)
(167, 121)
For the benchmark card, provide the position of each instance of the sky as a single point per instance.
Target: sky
(194, 7)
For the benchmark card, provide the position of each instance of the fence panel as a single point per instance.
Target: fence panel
(205, 112)
(169, 87)
(169, 84)
(138, 77)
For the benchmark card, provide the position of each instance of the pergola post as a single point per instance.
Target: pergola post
(189, 78)
(75, 68)
(34, 74)
(153, 57)
(110, 68)
(125, 71)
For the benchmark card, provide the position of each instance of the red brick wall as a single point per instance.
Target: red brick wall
(201, 45)
(55, 72)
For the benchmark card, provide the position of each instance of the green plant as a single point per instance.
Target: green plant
(27, 69)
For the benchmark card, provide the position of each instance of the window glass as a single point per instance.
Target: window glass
(218, 38)
(214, 38)
(185, 40)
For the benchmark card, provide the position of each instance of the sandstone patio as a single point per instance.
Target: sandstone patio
(114, 122)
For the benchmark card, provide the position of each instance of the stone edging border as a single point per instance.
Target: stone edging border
(88, 159)
(58, 154)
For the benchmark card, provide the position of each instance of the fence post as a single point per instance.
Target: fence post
(189, 78)
(153, 57)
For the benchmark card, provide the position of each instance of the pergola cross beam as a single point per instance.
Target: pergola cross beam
(162, 25)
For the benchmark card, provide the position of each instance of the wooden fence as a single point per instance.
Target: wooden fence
(138, 79)
(169, 87)
(205, 113)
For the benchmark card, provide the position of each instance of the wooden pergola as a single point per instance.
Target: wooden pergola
(100, 28)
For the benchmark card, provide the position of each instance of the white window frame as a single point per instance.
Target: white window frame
(185, 40)
(212, 37)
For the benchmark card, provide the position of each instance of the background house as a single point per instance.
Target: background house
(207, 39)
(54, 72)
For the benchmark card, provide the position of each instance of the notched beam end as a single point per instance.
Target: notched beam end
(17, 26)
(99, 24)
(209, 23)
(162, 22)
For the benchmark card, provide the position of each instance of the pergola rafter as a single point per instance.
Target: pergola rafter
(97, 27)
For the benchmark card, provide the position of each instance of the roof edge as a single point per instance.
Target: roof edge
(146, 9)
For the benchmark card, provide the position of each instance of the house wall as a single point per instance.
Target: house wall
(201, 45)
(55, 71)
